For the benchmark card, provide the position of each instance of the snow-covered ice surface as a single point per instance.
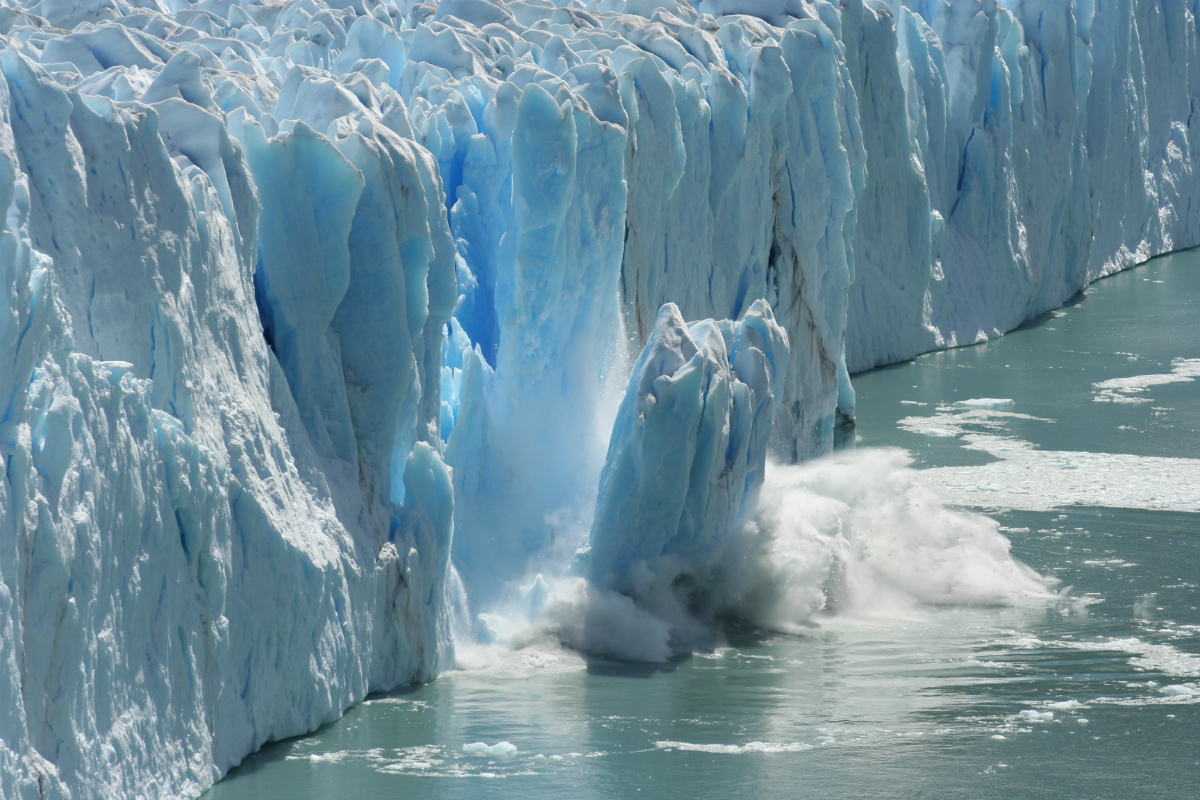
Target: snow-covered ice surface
(306, 301)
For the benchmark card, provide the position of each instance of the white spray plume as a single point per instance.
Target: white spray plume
(856, 535)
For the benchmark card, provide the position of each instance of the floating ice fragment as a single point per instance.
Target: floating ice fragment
(1065, 705)
(1030, 715)
(983, 402)
(483, 749)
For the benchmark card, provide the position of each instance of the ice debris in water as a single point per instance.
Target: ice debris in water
(1065, 705)
(738, 749)
(984, 402)
(1031, 715)
(484, 749)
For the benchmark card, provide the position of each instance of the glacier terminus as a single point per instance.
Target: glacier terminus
(338, 333)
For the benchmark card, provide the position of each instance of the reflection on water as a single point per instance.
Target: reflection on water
(1093, 696)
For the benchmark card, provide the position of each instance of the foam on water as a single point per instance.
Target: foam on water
(432, 761)
(1151, 657)
(889, 544)
(749, 747)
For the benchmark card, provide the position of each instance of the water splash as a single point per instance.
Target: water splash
(857, 535)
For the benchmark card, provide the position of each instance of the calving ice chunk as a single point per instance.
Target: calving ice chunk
(317, 315)
(688, 451)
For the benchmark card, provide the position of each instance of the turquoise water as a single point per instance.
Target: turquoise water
(1096, 696)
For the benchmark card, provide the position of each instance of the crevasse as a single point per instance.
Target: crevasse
(317, 314)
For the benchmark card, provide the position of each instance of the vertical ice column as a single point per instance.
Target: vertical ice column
(812, 262)
(354, 300)
(400, 295)
(558, 320)
(1050, 159)
(413, 635)
(892, 262)
(304, 271)
(658, 157)
(25, 308)
(482, 214)
(688, 448)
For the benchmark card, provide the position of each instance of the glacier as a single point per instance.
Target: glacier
(330, 325)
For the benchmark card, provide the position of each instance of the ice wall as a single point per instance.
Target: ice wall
(1048, 144)
(306, 302)
(221, 521)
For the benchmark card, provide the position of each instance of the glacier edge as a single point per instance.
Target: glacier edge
(311, 308)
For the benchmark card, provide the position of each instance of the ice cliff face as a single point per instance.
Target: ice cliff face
(1015, 152)
(305, 302)
(195, 554)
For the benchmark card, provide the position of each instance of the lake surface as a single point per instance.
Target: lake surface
(1079, 433)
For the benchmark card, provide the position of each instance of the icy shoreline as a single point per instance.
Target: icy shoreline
(244, 438)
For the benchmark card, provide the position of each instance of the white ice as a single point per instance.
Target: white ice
(317, 315)
(484, 749)
(1022, 476)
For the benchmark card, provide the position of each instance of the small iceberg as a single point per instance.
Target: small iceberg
(484, 749)
(1030, 715)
